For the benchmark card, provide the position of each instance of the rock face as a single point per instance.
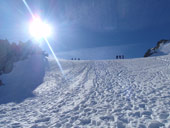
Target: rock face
(156, 49)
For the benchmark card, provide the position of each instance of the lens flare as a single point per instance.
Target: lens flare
(39, 29)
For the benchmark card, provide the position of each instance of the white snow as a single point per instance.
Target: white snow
(132, 93)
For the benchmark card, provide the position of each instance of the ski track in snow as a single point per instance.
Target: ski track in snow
(132, 93)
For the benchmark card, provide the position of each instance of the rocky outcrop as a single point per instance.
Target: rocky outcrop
(154, 50)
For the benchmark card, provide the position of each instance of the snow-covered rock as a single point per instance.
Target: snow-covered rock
(162, 48)
(23, 79)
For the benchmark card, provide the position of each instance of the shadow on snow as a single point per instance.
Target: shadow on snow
(25, 77)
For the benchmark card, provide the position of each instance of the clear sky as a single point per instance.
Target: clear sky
(82, 24)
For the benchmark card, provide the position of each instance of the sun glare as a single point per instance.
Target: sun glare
(39, 29)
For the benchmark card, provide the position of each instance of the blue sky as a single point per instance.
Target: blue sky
(82, 24)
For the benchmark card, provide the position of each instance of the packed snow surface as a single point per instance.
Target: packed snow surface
(133, 93)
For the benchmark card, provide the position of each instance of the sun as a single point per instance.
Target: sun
(39, 29)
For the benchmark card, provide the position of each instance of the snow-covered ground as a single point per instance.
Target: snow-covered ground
(132, 93)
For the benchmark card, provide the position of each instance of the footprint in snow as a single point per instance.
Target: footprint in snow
(85, 121)
(42, 120)
(155, 124)
(164, 115)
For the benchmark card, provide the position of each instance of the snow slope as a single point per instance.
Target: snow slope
(133, 93)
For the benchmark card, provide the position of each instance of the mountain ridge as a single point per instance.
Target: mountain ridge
(159, 49)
